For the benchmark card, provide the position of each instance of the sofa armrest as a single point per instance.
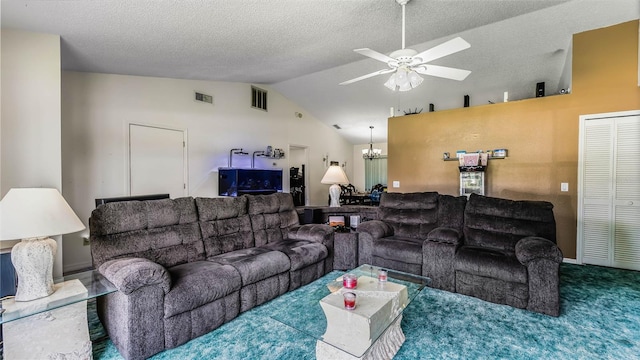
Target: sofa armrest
(368, 233)
(376, 229)
(445, 235)
(130, 274)
(314, 232)
(532, 248)
(542, 258)
(320, 233)
(438, 253)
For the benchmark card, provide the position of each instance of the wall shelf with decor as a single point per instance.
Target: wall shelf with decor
(497, 154)
(491, 158)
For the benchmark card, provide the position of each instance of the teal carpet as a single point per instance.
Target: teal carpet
(600, 319)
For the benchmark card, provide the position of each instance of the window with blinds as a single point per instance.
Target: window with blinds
(375, 172)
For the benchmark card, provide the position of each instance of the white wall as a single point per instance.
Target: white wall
(357, 167)
(30, 120)
(97, 109)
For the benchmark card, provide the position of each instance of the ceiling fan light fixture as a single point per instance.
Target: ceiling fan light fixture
(415, 79)
(391, 83)
(405, 86)
(408, 63)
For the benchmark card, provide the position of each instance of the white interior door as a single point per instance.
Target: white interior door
(608, 190)
(157, 161)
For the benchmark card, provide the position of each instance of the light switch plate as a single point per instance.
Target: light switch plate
(396, 184)
(564, 187)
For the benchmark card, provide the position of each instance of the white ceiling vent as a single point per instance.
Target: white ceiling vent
(258, 98)
(204, 98)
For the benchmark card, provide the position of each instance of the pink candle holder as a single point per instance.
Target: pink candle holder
(349, 300)
(382, 275)
(350, 281)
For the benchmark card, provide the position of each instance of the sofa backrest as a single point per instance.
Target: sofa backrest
(412, 215)
(225, 225)
(499, 223)
(164, 231)
(451, 211)
(271, 216)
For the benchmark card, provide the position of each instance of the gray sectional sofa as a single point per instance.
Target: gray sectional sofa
(185, 266)
(499, 250)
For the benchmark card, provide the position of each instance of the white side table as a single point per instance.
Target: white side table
(53, 327)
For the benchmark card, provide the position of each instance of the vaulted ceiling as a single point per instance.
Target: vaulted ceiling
(304, 48)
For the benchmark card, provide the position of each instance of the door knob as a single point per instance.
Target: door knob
(629, 202)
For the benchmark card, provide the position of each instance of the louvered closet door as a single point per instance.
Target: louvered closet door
(597, 191)
(609, 218)
(626, 245)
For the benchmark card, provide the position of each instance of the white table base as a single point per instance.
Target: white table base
(61, 333)
(384, 348)
(363, 332)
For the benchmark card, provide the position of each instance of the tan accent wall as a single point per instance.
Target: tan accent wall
(541, 134)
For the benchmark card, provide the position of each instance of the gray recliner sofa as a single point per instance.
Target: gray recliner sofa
(185, 266)
(499, 250)
(509, 254)
(405, 222)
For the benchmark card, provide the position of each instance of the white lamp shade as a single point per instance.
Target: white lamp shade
(335, 175)
(36, 212)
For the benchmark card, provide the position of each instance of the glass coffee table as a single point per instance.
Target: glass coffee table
(371, 330)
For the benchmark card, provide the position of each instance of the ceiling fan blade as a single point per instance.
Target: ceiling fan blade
(374, 55)
(443, 72)
(442, 50)
(379, 72)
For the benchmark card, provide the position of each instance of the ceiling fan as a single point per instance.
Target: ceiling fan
(406, 64)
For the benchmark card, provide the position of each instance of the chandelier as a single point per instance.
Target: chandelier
(371, 153)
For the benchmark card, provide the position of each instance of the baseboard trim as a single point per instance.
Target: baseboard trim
(570, 261)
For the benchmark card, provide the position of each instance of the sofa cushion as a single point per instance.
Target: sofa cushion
(404, 249)
(199, 283)
(271, 217)
(490, 263)
(224, 224)
(210, 209)
(254, 264)
(164, 231)
(499, 223)
(301, 253)
(412, 215)
(451, 211)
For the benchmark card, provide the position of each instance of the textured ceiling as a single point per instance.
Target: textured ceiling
(304, 48)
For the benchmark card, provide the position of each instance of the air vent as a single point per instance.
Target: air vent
(204, 98)
(337, 126)
(258, 98)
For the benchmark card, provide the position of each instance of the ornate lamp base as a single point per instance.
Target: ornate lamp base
(334, 193)
(33, 261)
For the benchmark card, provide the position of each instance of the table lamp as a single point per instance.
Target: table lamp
(334, 175)
(34, 214)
